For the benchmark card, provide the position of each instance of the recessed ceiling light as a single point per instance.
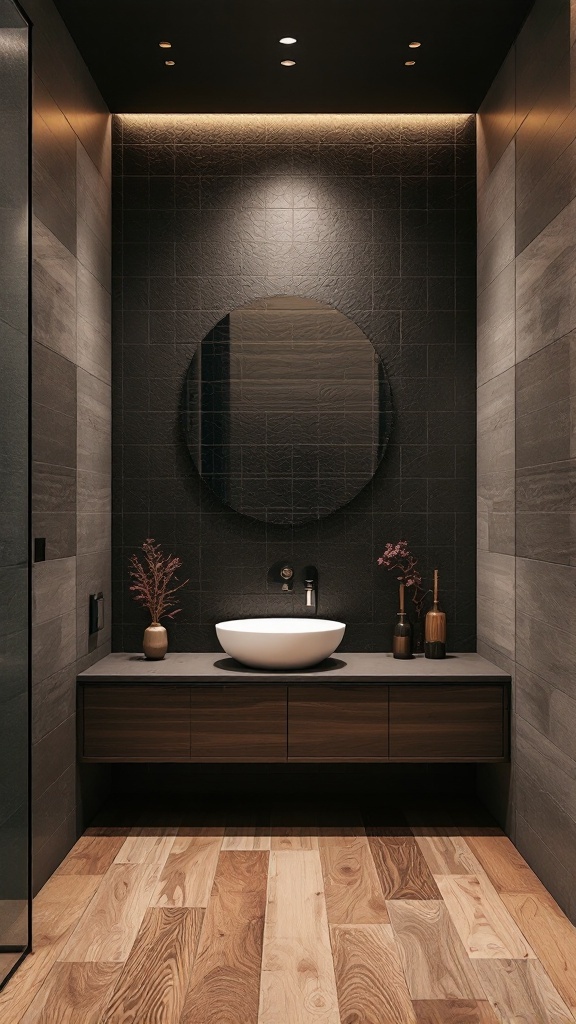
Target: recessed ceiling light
(409, 63)
(165, 45)
(288, 40)
(169, 63)
(414, 46)
(288, 63)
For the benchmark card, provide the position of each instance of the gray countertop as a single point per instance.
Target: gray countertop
(341, 668)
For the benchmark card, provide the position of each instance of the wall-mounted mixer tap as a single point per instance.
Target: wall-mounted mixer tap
(310, 594)
(286, 573)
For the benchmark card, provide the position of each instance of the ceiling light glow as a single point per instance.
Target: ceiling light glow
(414, 46)
(288, 63)
(409, 63)
(288, 40)
(165, 45)
(169, 63)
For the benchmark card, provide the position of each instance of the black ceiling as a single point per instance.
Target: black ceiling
(350, 53)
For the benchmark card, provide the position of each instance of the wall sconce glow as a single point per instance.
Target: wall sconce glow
(169, 63)
(409, 63)
(288, 40)
(288, 63)
(414, 46)
(165, 45)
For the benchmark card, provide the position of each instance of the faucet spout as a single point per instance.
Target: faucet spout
(310, 594)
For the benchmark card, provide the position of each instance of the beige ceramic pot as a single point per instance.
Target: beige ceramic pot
(155, 642)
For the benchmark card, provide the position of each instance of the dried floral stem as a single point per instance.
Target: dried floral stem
(398, 558)
(151, 587)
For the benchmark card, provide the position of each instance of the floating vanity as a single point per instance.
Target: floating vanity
(353, 708)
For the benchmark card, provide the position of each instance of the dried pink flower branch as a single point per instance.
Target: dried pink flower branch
(398, 558)
(151, 581)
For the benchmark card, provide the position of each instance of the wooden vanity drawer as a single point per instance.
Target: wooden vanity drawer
(448, 723)
(340, 723)
(238, 723)
(136, 723)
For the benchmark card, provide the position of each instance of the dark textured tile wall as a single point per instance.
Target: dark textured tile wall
(526, 454)
(372, 215)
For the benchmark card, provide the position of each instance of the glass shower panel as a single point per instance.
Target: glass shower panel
(14, 488)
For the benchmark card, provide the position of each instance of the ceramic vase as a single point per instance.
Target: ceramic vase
(155, 643)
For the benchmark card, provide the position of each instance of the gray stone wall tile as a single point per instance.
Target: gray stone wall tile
(545, 305)
(549, 536)
(52, 755)
(547, 592)
(54, 283)
(497, 254)
(54, 177)
(53, 645)
(93, 576)
(496, 603)
(94, 492)
(495, 446)
(94, 532)
(548, 710)
(541, 855)
(549, 652)
(496, 119)
(53, 488)
(94, 424)
(496, 326)
(53, 701)
(496, 197)
(53, 588)
(54, 805)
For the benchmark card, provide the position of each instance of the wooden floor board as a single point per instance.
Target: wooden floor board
(155, 977)
(141, 848)
(352, 889)
(369, 977)
(481, 918)
(289, 913)
(504, 865)
(224, 982)
(448, 855)
(521, 992)
(434, 960)
(188, 874)
(454, 1011)
(57, 910)
(552, 937)
(74, 994)
(298, 983)
(247, 836)
(402, 871)
(107, 929)
(92, 855)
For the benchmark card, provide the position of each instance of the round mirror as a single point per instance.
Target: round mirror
(288, 409)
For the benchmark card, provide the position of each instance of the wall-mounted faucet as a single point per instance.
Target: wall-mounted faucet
(284, 577)
(287, 573)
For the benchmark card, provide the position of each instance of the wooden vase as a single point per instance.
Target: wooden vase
(155, 643)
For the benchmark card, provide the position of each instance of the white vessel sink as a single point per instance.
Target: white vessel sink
(280, 643)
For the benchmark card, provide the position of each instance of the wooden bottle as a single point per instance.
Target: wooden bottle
(435, 627)
(402, 635)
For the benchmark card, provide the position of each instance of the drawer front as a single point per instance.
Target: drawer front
(448, 723)
(344, 723)
(238, 723)
(141, 723)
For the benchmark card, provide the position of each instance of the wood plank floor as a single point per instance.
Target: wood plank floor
(296, 917)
